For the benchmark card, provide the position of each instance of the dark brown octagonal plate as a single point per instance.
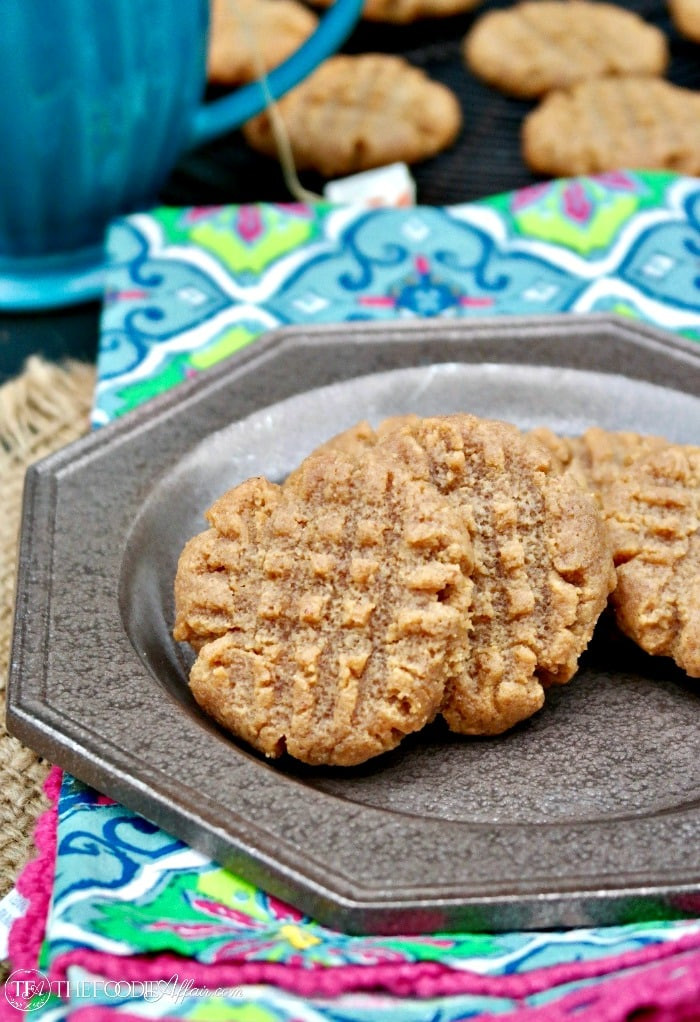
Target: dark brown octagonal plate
(584, 814)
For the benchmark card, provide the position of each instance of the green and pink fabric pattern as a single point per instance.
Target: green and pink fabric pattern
(126, 922)
(187, 287)
(138, 925)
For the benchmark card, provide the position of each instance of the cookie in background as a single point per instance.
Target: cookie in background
(250, 36)
(642, 123)
(358, 112)
(534, 47)
(685, 15)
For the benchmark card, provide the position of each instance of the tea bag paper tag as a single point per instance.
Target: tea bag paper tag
(12, 906)
(384, 186)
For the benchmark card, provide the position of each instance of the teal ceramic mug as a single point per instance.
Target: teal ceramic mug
(98, 99)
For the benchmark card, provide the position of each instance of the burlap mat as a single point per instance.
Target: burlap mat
(43, 409)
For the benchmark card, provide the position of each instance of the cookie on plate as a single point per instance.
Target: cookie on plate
(540, 45)
(363, 595)
(653, 517)
(598, 457)
(362, 436)
(359, 438)
(402, 12)
(358, 112)
(607, 123)
(216, 579)
(542, 566)
(246, 36)
(685, 15)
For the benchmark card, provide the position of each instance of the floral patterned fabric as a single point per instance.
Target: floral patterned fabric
(187, 287)
(121, 882)
(125, 891)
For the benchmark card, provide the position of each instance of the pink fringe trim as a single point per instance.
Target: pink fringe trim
(663, 981)
(35, 883)
(422, 979)
(669, 992)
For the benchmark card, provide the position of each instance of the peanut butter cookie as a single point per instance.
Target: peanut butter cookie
(216, 584)
(534, 47)
(246, 36)
(358, 112)
(361, 578)
(598, 457)
(685, 15)
(542, 565)
(607, 123)
(362, 436)
(653, 516)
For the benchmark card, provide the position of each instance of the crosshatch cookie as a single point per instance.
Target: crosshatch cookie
(245, 35)
(359, 438)
(534, 47)
(598, 457)
(362, 576)
(607, 123)
(653, 516)
(402, 12)
(358, 112)
(685, 15)
(216, 580)
(542, 565)
(362, 436)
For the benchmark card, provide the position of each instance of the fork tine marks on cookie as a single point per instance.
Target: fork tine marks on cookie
(542, 569)
(250, 36)
(358, 112)
(349, 651)
(631, 122)
(653, 515)
(426, 565)
(540, 45)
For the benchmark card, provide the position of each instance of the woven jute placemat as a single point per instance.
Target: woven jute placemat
(43, 409)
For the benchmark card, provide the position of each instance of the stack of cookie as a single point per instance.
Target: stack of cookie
(445, 565)
(596, 68)
(648, 492)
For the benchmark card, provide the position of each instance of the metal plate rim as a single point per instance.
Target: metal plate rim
(25, 712)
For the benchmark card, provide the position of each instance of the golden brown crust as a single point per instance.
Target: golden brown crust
(246, 36)
(215, 590)
(653, 516)
(363, 594)
(427, 564)
(362, 436)
(685, 15)
(542, 567)
(358, 112)
(598, 457)
(606, 123)
(540, 45)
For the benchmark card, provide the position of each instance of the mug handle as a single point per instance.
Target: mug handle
(222, 115)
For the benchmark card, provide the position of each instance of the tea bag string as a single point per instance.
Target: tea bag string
(279, 128)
